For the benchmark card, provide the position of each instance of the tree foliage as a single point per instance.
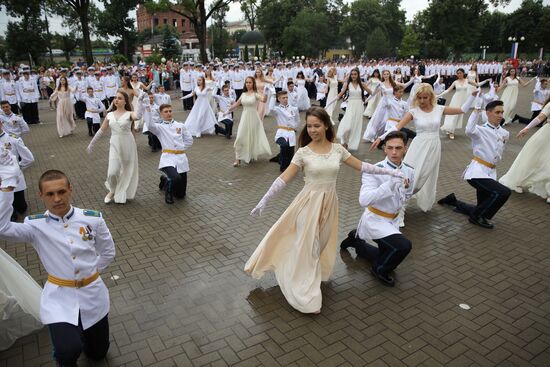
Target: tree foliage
(250, 11)
(170, 45)
(378, 44)
(307, 35)
(115, 22)
(66, 42)
(410, 44)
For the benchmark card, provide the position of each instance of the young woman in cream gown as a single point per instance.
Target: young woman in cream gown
(531, 168)
(251, 142)
(332, 84)
(122, 172)
(300, 248)
(510, 84)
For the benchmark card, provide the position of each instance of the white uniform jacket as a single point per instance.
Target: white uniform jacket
(173, 136)
(488, 144)
(287, 119)
(23, 154)
(386, 194)
(14, 124)
(73, 247)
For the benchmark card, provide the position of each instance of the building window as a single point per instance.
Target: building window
(165, 21)
(155, 22)
(175, 23)
(183, 24)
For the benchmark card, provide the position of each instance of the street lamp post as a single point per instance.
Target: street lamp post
(515, 45)
(484, 51)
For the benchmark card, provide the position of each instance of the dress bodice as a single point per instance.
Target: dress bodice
(201, 93)
(320, 168)
(300, 82)
(387, 91)
(427, 122)
(472, 75)
(63, 94)
(461, 87)
(512, 82)
(121, 126)
(354, 92)
(249, 101)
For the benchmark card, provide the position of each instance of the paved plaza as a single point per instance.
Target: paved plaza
(180, 297)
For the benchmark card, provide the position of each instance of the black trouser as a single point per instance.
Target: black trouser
(187, 102)
(391, 251)
(92, 128)
(30, 113)
(19, 204)
(491, 196)
(526, 121)
(286, 154)
(441, 101)
(177, 182)
(69, 341)
(110, 100)
(153, 141)
(323, 102)
(228, 129)
(340, 85)
(277, 90)
(80, 109)
(15, 108)
(238, 93)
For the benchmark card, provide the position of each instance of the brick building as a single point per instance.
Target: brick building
(146, 21)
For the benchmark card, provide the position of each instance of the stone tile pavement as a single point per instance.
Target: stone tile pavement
(181, 297)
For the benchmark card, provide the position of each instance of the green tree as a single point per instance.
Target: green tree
(195, 11)
(114, 22)
(81, 14)
(66, 42)
(170, 46)
(410, 44)
(394, 22)
(307, 34)
(220, 36)
(25, 40)
(527, 21)
(250, 11)
(365, 16)
(378, 44)
(237, 35)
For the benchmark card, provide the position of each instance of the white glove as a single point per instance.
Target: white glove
(278, 185)
(375, 170)
(97, 136)
(9, 170)
(466, 106)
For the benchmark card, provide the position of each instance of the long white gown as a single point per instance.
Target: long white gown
(301, 246)
(531, 168)
(251, 142)
(332, 94)
(373, 103)
(510, 98)
(135, 102)
(201, 119)
(424, 154)
(303, 99)
(349, 130)
(212, 85)
(453, 122)
(375, 126)
(122, 173)
(19, 302)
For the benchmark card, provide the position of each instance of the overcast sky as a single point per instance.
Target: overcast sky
(410, 6)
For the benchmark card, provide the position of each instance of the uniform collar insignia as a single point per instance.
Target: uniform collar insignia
(491, 126)
(67, 216)
(392, 165)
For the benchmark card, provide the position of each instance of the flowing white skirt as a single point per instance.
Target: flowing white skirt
(19, 302)
(349, 130)
(424, 154)
(531, 168)
(510, 98)
(201, 119)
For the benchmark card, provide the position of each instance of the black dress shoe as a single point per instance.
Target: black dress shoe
(482, 222)
(168, 195)
(216, 129)
(162, 182)
(383, 278)
(13, 217)
(349, 241)
(516, 117)
(448, 200)
(275, 159)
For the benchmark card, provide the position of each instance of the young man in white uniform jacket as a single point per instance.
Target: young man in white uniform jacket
(74, 246)
(383, 197)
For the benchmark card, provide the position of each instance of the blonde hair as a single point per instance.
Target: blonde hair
(424, 88)
(331, 72)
